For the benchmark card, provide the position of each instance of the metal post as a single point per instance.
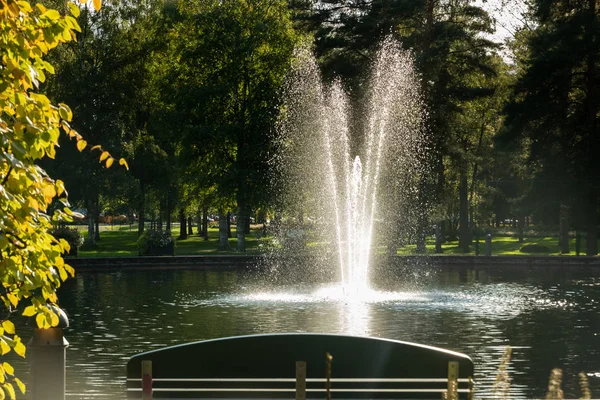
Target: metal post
(147, 380)
(488, 245)
(48, 360)
(452, 380)
(300, 380)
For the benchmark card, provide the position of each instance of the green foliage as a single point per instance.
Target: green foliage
(156, 243)
(71, 235)
(31, 266)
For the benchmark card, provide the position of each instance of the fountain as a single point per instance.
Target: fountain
(343, 177)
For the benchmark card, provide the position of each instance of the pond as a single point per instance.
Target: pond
(550, 317)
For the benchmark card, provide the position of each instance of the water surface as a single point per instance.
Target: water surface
(549, 317)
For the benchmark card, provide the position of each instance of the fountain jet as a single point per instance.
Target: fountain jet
(349, 180)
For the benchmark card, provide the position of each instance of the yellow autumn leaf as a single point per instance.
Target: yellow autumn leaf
(96, 147)
(21, 385)
(97, 4)
(20, 349)
(40, 320)
(29, 311)
(10, 391)
(9, 327)
(109, 162)
(8, 368)
(49, 192)
(122, 161)
(81, 144)
(4, 348)
(104, 155)
(14, 300)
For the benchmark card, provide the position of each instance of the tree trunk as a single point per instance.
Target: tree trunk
(182, 225)
(161, 211)
(463, 234)
(168, 212)
(521, 224)
(90, 215)
(228, 225)
(240, 230)
(223, 230)
(205, 223)
(190, 228)
(563, 240)
(97, 219)
(141, 210)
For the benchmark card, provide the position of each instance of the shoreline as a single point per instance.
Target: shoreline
(253, 262)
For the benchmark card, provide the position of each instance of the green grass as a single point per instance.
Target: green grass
(121, 242)
(501, 245)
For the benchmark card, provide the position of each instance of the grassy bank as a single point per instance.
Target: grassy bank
(121, 242)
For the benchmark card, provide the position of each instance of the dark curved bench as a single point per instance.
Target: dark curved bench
(288, 366)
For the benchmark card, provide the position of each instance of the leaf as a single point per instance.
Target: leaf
(4, 348)
(122, 161)
(20, 349)
(51, 14)
(21, 385)
(81, 144)
(9, 327)
(40, 320)
(10, 390)
(29, 311)
(104, 155)
(8, 368)
(97, 4)
(109, 162)
(65, 112)
(96, 147)
(75, 11)
(14, 300)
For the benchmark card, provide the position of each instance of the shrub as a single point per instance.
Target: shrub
(156, 243)
(534, 248)
(71, 235)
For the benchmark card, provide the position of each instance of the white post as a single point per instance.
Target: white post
(48, 361)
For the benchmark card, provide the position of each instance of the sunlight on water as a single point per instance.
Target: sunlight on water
(334, 294)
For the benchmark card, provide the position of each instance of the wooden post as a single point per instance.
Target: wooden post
(328, 359)
(146, 380)
(453, 380)
(300, 380)
(471, 394)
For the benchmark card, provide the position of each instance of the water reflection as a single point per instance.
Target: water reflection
(550, 320)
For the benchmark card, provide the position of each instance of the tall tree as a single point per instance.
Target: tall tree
(234, 55)
(556, 105)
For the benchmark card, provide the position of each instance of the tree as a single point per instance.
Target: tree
(31, 265)
(555, 108)
(233, 56)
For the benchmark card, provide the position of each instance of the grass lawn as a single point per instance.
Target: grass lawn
(121, 242)
(501, 245)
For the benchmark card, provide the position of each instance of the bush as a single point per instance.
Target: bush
(156, 243)
(71, 235)
(534, 248)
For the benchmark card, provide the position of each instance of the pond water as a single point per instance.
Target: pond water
(550, 317)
